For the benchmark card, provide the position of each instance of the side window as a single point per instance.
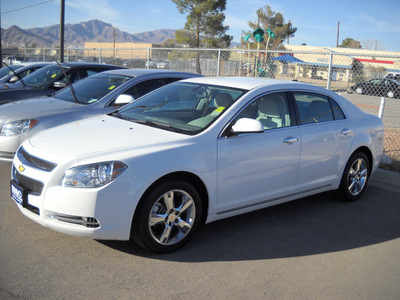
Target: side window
(313, 108)
(147, 86)
(271, 110)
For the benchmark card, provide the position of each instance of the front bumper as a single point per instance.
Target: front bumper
(97, 213)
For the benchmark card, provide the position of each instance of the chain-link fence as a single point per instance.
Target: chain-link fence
(362, 78)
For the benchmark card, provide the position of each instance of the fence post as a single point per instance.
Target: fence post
(218, 62)
(148, 58)
(328, 84)
(381, 108)
(100, 55)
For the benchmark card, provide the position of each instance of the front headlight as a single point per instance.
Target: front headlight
(18, 127)
(94, 175)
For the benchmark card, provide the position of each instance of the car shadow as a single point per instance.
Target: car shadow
(313, 225)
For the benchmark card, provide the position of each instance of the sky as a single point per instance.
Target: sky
(367, 21)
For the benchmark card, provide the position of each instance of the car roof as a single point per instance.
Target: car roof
(247, 83)
(83, 64)
(33, 65)
(149, 72)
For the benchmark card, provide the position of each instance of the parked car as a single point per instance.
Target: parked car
(393, 75)
(12, 60)
(95, 95)
(5, 71)
(193, 151)
(151, 64)
(163, 65)
(24, 70)
(378, 87)
(49, 79)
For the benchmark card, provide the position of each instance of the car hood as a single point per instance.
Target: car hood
(99, 135)
(35, 108)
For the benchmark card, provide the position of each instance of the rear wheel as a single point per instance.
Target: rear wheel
(167, 217)
(390, 94)
(355, 177)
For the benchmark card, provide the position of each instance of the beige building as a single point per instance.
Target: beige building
(316, 60)
(122, 50)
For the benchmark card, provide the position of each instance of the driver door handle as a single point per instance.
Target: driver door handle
(290, 140)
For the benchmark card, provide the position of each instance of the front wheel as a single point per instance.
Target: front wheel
(167, 217)
(355, 177)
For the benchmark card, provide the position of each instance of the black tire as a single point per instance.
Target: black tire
(167, 217)
(355, 177)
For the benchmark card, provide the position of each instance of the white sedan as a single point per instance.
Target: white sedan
(193, 152)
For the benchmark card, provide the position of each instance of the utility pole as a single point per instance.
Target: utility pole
(114, 41)
(62, 21)
(1, 54)
(337, 38)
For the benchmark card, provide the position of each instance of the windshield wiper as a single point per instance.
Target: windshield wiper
(68, 81)
(16, 74)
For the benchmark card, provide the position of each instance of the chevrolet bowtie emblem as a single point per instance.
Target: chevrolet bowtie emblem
(21, 168)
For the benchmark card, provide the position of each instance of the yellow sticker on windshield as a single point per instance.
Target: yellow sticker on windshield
(54, 75)
(220, 109)
(111, 87)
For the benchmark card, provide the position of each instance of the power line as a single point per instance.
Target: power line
(18, 9)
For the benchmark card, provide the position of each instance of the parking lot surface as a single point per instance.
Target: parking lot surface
(314, 248)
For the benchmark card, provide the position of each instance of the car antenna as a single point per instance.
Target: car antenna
(68, 81)
(16, 74)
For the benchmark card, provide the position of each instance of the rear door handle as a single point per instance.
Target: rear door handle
(290, 140)
(346, 131)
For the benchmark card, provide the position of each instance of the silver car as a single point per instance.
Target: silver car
(99, 94)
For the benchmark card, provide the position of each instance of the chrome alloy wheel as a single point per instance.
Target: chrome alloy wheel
(171, 217)
(357, 176)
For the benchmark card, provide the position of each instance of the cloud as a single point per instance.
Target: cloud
(99, 9)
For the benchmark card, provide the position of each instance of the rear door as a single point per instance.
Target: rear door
(326, 136)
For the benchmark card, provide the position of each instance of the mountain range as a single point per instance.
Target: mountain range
(78, 34)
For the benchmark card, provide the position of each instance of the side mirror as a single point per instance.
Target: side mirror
(59, 84)
(13, 79)
(124, 99)
(247, 125)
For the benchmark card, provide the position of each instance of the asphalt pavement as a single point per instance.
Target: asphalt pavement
(314, 248)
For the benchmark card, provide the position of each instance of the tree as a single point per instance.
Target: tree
(350, 43)
(267, 18)
(204, 25)
(373, 45)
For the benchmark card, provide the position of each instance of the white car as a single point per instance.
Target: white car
(194, 151)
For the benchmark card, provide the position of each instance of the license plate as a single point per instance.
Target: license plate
(17, 193)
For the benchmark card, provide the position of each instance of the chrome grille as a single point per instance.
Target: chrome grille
(34, 161)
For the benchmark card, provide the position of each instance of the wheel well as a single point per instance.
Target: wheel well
(368, 153)
(185, 176)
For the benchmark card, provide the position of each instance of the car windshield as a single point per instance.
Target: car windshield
(91, 89)
(182, 107)
(6, 70)
(42, 76)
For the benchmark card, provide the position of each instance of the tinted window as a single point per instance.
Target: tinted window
(147, 86)
(271, 110)
(91, 89)
(313, 108)
(337, 112)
